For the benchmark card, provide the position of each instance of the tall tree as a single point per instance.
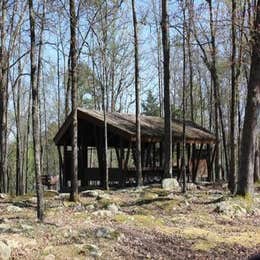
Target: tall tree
(3, 99)
(74, 95)
(247, 154)
(189, 4)
(167, 95)
(137, 101)
(35, 116)
(232, 173)
(183, 163)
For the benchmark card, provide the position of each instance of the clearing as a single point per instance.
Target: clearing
(146, 223)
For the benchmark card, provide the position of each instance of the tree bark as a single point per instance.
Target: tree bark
(35, 116)
(232, 171)
(167, 94)
(73, 76)
(3, 101)
(257, 161)
(183, 164)
(137, 101)
(247, 154)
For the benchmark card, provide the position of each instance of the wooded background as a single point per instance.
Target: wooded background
(210, 55)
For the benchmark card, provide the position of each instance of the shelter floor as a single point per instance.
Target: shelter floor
(134, 224)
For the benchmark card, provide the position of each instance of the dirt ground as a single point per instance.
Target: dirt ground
(148, 223)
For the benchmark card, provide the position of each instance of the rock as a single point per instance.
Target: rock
(186, 203)
(12, 208)
(91, 193)
(191, 186)
(94, 250)
(62, 196)
(106, 232)
(170, 184)
(231, 209)
(51, 193)
(113, 208)
(225, 186)
(3, 196)
(256, 212)
(145, 195)
(26, 227)
(4, 220)
(103, 196)
(33, 200)
(49, 257)
(103, 213)
(12, 243)
(90, 207)
(4, 228)
(5, 251)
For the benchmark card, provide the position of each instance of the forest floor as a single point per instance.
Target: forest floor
(148, 223)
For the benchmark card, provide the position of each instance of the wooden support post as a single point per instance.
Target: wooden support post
(124, 173)
(213, 178)
(173, 147)
(188, 161)
(208, 162)
(178, 156)
(197, 164)
(193, 162)
(61, 173)
(122, 155)
(100, 157)
(154, 156)
(148, 155)
(161, 154)
(84, 181)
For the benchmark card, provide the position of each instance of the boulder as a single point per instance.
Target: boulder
(94, 250)
(3, 196)
(113, 208)
(170, 184)
(4, 228)
(103, 213)
(103, 196)
(104, 232)
(49, 257)
(5, 251)
(12, 208)
(256, 212)
(230, 209)
(191, 186)
(51, 193)
(91, 193)
(145, 195)
(62, 196)
(26, 227)
(90, 207)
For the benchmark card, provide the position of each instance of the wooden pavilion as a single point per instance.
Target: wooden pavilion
(121, 149)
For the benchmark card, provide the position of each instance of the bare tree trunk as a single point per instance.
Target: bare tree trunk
(167, 93)
(183, 163)
(3, 101)
(232, 172)
(27, 144)
(190, 9)
(18, 161)
(159, 65)
(74, 95)
(137, 100)
(247, 154)
(257, 160)
(35, 116)
(58, 84)
(39, 78)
